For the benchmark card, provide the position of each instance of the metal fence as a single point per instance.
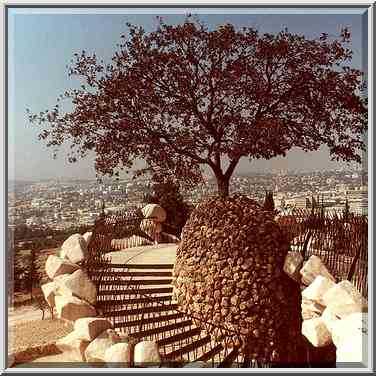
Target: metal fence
(340, 241)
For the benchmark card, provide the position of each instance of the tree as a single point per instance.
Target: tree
(269, 202)
(314, 202)
(184, 97)
(346, 212)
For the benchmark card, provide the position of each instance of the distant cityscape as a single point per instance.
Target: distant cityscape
(60, 204)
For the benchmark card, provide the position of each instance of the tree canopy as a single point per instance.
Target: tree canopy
(185, 96)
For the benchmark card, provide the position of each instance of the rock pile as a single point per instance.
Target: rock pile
(333, 313)
(71, 293)
(93, 340)
(229, 276)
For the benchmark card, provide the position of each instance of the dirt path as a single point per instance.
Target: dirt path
(27, 329)
(24, 314)
(154, 254)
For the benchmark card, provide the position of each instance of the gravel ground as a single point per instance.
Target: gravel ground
(33, 333)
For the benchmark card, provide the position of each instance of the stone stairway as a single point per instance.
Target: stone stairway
(137, 299)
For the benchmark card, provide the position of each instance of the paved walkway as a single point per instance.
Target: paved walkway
(151, 254)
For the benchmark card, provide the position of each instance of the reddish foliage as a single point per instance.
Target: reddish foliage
(185, 96)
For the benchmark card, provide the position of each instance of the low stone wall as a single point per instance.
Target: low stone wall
(94, 341)
(71, 293)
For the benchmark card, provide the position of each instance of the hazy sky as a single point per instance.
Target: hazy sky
(41, 45)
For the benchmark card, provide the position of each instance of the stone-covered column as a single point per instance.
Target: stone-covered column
(229, 272)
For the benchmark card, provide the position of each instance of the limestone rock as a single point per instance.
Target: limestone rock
(329, 318)
(146, 354)
(346, 329)
(56, 266)
(118, 355)
(353, 351)
(95, 352)
(77, 284)
(292, 265)
(313, 268)
(88, 328)
(316, 332)
(316, 290)
(49, 292)
(350, 336)
(59, 282)
(155, 212)
(87, 236)
(344, 310)
(71, 308)
(11, 360)
(311, 309)
(74, 345)
(344, 298)
(74, 249)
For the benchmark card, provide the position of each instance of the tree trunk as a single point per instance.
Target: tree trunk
(223, 184)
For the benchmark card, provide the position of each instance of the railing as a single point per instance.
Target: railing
(342, 243)
(141, 305)
(120, 225)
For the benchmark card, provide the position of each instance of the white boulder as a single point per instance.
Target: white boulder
(87, 236)
(350, 336)
(329, 318)
(56, 266)
(95, 352)
(345, 329)
(74, 249)
(313, 268)
(77, 284)
(11, 360)
(344, 299)
(354, 351)
(118, 355)
(316, 290)
(88, 328)
(73, 345)
(344, 310)
(292, 265)
(71, 308)
(155, 212)
(146, 354)
(49, 292)
(316, 332)
(311, 309)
